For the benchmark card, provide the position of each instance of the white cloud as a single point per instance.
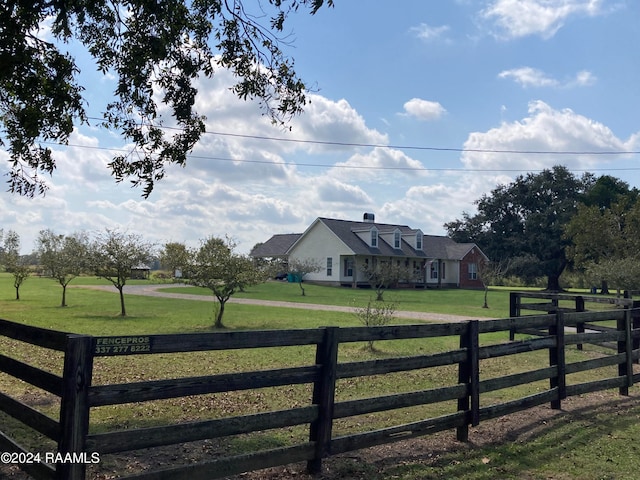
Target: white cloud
(430, 206)
(44, 31)
(382, 164)
(336, 192)
(533, 77)
(245, 184)
(333, 121)
(583, 78)
(424, 109)
(544, 130)
(437, 204)
(529, 77)
(521, 18)
(429, 33)
(243, 146)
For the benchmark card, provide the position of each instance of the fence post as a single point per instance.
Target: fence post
(625, 369)
(324, 396)
(580, 325)
(635, 323)
(514, 311)
(557, 359)
(469, 374)
(74, 404)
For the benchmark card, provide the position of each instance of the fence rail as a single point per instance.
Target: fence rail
(558, 329)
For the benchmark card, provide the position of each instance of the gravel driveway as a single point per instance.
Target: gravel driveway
(155, 291)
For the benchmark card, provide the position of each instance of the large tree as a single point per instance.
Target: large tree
(605, 237)
(524, 220)
(155, 50)
(219, 268)
(113, 255)
(63, 257)
(607, 190)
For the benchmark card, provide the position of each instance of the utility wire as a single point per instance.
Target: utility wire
(413, 147)
(405, 147)
(353, 167)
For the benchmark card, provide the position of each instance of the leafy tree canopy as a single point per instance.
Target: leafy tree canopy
(155, 50)
(523, 221)
(606, 191)
(112, 256)
(605, 237)
(12, 260)
(175, 256)
(219, 268)
(62, 257)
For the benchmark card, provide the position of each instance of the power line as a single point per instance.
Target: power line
(353, 167)
(406, 147)
(413, 147)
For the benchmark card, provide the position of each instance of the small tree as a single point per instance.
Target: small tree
(175, 256)
(375, 315)
(13, 262)
(63, 257)
(383, 275)
(489, 273)
(114, 254)
(301, 267)
(217, 267)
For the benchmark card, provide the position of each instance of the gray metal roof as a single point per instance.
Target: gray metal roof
(276, 246)
(446, 248)
(344, 230)
(434, 246)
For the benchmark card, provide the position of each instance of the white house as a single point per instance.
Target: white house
(343, 247)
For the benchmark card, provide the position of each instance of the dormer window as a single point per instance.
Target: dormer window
(419, 241)
(396, 239)
(374, 238)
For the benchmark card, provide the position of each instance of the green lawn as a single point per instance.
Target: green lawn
(97, 312)
(448, 301)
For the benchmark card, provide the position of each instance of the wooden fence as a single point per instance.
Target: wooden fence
(559, 302)
(78, 396)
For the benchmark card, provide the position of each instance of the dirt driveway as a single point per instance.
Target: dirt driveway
(156, 291)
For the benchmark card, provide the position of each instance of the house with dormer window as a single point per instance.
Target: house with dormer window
(345, 247)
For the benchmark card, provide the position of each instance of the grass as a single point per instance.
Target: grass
(595, 443)
(97, 313)
(447, 301)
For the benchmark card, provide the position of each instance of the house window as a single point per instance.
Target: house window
(329, 266)
(434, 269)
(396, 239)
(443, 271)
(473, 271)
(419, 241)
(374, 238)
(348, 267)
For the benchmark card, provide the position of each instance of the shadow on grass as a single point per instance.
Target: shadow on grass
(591, 442)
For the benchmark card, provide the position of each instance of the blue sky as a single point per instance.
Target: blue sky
(448, 85)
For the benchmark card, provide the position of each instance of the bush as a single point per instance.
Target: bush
(375, 314)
